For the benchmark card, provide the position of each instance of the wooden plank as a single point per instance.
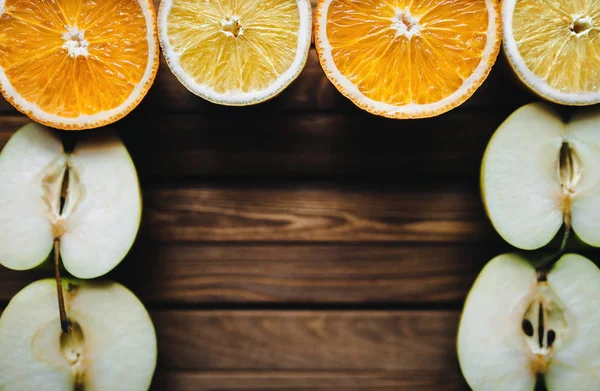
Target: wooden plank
(423, 380)
(278, 274)
(300, 276)
(307, 341)
(317, 213)
(304, 274)
(312, 91)
(310, 145)
(323, 213)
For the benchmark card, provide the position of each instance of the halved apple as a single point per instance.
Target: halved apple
(517, 327)
(111, 346)
(87, 198)
(540, 172)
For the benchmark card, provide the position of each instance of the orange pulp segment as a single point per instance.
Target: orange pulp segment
(409, 52)
(74, 58)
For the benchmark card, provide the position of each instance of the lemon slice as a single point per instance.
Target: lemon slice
(554, 47)
(235, 53)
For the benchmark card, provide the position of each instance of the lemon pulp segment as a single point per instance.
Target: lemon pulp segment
(234, 46)
(559, 41)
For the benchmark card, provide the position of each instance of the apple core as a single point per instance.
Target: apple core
(72, 347)
(542, 324)
(569, 169)
(63, 190)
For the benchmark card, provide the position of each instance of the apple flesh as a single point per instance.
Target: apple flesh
(516, 328)
(87, 198)
(112, 345)
(539, 173)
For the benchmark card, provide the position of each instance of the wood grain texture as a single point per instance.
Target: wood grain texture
(308, 341)
(313, 381)
(191, 275)
(316, 213)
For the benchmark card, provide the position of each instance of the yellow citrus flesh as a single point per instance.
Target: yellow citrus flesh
(72, 58)
(559, 41)
(403, 52)
(234, 46)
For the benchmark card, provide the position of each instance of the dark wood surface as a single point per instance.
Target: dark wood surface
(303, 244)
(291, 274)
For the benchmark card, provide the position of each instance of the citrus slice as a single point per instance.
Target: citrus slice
(407, 58)
(77, 64)
(232, 52)
(554, 47)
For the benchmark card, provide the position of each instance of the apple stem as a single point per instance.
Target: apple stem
(567, 235)
(68, 139)
(540, 384)
(65, 324)
(547, 265)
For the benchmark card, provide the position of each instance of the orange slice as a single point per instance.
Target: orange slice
(407, 58)
(77, 64)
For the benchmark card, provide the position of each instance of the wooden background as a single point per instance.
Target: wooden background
(303, 244)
